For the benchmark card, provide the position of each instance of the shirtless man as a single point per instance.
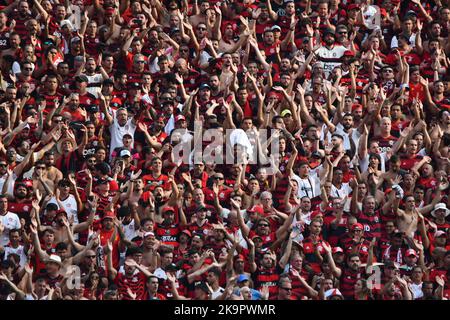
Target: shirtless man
(408, 219)
(61, 224)
(40, 180)
(201, 16)
(53, 173)
(393, 173)
(65, 254)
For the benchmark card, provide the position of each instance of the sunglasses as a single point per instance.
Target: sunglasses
(201, 29)
(3, 165)
(263, 225)
(218, 178)
(287, 289)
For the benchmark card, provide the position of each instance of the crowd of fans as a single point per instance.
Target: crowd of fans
(348, 198)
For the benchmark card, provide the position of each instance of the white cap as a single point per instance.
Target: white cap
(66, 23)
(54, 258)
(440, 206)
(125, 153)
(332, 292)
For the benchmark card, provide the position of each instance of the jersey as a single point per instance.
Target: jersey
(330, 58)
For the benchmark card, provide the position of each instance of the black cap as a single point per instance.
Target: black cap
(93, 108)
(202, 286)
(102, 181)
(108, 81)
(134, 85)
(172, 267)
(204, 86)
(81, 78)
(329, 31)
(316, 154)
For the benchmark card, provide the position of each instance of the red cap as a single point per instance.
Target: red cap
(187, 232)
(357, 225)
(256, 236)
(239, 257)
(274, 94)
(383, 12)
(109, 11)
(349, 53)
(179, 118)
(257, 209)
(411, 252)
(314, 214)
(357, 106)
(108, 214)
(337, 249)
(61, 211)
(352, 6)
(167, 209)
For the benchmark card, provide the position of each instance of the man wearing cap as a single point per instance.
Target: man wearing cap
(355, 242)
(85, 97)
(440, 213)
(168, 230)
(200, 223)
(331, 53)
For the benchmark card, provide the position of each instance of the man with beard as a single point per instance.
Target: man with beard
(348, 275)
(94, 79)
(132, 282)
(168, 230)
(52, 173)
(331, 53)
(345, 128)
(20, 203)
(267, 274)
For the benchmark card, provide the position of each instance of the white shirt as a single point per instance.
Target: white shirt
(309, 187)
(364, 163)
(129, 230)
(417, 290)
(95, 79)
(19, 251)
(329, 57)
(11, 186)
(355, 136)
(345, 190)
(70, 206)
(10, 221)
(117, 132)
(217, 293)
(412, 40)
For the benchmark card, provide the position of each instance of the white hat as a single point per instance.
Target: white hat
(66, 23)
(55, 259)
(332, 292)
(440, 206)
(125, 153)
